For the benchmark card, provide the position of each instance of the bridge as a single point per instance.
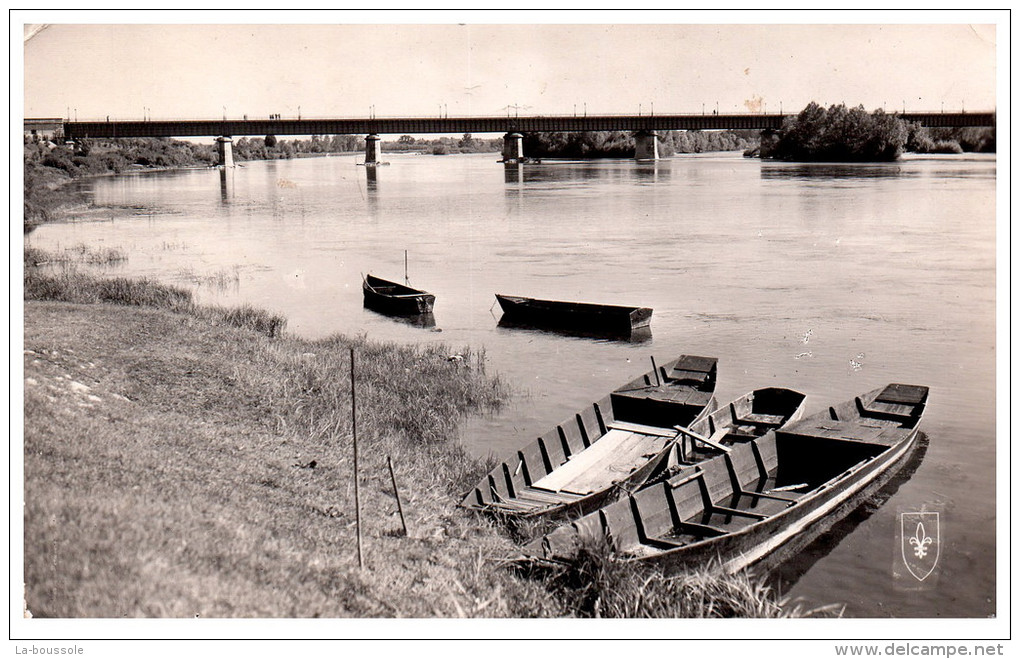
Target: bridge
(643, 125)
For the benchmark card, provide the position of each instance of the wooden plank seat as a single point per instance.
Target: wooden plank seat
(904, 394)
(656, 431)
(900, 413)
(773, 420)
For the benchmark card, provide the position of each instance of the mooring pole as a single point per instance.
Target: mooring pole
(658, 383)
(396, 493)
(406, 280)
(354, 433)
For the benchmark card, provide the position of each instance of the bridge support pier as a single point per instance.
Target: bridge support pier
(646, 145)
(225, 146)
(513, 148)
(372, 149)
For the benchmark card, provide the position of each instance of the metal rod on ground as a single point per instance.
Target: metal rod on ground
(658, 383)
(354, 433)
(396, 493)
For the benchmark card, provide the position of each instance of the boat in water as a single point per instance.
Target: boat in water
(580, 316)
(761, 501)
(615, 444)
(396, 299)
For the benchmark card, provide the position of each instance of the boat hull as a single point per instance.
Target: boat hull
(576, 316)
(396, 299)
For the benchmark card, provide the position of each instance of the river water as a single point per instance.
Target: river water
(829, 279)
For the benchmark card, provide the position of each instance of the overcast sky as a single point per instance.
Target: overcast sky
(172, 70)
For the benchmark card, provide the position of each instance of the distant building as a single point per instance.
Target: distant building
(44, 129)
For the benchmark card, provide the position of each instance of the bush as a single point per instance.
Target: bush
(839, 134)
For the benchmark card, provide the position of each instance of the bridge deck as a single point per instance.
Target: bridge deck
(410, 125)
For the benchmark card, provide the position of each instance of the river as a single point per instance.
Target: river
(829, 279)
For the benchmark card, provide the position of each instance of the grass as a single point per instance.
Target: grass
(597, 586)
(80, 253)
(182, 461)
(221, 279)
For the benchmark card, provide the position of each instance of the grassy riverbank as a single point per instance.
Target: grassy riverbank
(186, 461)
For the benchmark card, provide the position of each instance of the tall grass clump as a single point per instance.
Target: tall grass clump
(420, 393)
(599, 586)
(82, 288)
(83, 253)
(247, 317)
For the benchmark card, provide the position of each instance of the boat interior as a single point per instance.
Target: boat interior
(744, 419)
(753, 481)
(717, 497)
(383, 287)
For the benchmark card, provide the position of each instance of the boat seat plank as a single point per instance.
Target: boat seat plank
(906, 394)
(695, 363)
(684, 375)
(762, 419)
(640, 428)
(851, 429)
(882, 407)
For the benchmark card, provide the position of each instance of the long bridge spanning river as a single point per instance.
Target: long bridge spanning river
(643, 125)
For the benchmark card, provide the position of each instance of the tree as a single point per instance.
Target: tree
(839, 134)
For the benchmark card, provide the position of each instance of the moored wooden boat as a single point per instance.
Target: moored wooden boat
(393, 298)
(761, 499)
(746, 418)
(587, 317)
(615, 443)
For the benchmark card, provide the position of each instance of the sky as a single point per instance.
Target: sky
(94, 65)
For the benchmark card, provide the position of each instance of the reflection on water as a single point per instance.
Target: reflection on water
(653, 172)
(808, 171)
(512, 172)
(226, 184)
(637, 335)
(423, 320)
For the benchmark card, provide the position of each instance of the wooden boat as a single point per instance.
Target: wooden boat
(398, 299)
(746, 418)
(615, 443)
(766, 498)
(573, 315)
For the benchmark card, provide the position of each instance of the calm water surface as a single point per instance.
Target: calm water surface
(832, 280)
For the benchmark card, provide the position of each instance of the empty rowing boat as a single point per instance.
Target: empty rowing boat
(765, 498)
(615, 443)
(746, 418)
(583, 316)
(393, 298)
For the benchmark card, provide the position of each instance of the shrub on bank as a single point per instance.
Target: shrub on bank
(839, 134)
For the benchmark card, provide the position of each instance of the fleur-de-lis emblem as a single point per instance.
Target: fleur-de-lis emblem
(920, 541)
